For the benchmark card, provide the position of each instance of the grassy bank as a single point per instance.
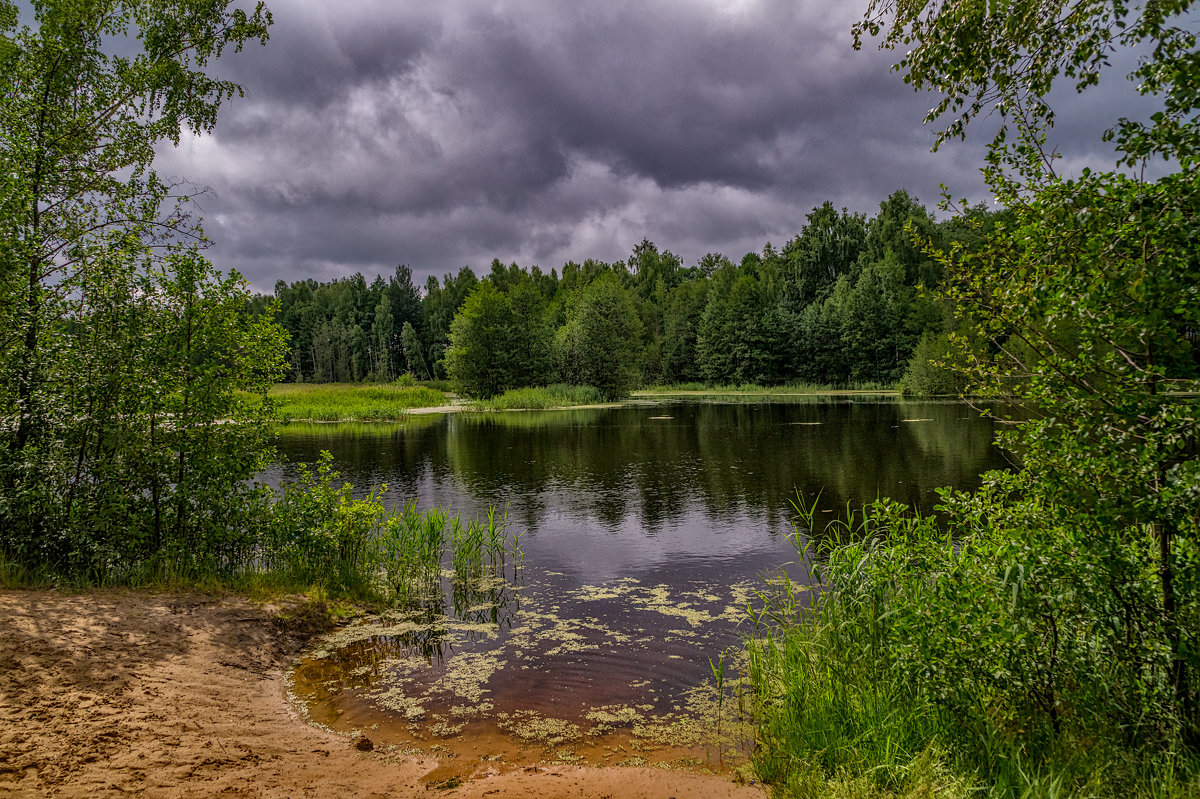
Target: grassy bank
(332, 402)
(567, 396)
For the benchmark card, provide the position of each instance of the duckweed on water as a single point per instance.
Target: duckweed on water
(437, 675)
(529, 725)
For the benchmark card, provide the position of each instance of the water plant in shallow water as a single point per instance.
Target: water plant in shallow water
(410, 547)
(319, 533)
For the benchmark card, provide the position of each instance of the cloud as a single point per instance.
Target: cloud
(438, 135)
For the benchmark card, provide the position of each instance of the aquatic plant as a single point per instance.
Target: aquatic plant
(317, 533)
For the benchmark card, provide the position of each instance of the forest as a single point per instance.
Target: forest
(845, 302)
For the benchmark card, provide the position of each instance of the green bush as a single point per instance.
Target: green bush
(927, 374)
(317, 534)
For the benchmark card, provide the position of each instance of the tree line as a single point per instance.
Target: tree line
(846, 301)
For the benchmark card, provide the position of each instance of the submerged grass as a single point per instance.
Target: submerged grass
(333, 402)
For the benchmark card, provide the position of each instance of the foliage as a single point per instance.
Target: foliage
(1050, 624)
(498, 341)
(558, 395)
(599, 343)
(347, 330)
(843, 302)
(928, 373)
(124, 356)
(980, 645)
(413, 352)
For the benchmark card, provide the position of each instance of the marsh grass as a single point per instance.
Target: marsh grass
(559, 395)
(332, 402)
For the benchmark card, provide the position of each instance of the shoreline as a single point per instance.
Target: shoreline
(115, 691)
(636, 399)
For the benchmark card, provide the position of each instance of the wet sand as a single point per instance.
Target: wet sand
(118, 693)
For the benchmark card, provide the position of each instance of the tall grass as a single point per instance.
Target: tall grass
(832, 719)
(559, 395)
(320, 535)
(888, 679)
(332, 402)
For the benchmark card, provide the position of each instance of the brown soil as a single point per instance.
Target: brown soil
(127, 693)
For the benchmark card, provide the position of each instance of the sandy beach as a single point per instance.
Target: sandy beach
(130, 693)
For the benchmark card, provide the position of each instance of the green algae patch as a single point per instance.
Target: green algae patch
(555, 674)
(533, 727)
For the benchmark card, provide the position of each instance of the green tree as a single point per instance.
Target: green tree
(499, 341)
(79, 127)
(681, 323)
(600, 343)
(1059, 607)
(412, 352)
(827, 248)
(440, 304)
(382, 332)
(121, 348)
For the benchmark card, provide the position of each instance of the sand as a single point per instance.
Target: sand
(129, 693)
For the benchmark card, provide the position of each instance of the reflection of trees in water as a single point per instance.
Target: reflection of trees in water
(618, 464)
(400, 454)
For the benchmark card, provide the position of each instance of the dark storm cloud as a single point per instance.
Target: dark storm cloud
(438, 135)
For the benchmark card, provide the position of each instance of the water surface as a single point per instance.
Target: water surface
(645, 529)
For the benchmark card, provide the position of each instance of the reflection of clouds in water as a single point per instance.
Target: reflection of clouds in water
(593, 549)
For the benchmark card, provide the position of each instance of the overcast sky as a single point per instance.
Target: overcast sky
(443, 134)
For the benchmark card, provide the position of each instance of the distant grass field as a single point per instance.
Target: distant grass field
(333, 402)
(352, 402)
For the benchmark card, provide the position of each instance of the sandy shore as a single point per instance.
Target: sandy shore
(116, 693)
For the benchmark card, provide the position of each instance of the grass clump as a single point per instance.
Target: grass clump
(539, 398)
(320, 535)
(333, 402)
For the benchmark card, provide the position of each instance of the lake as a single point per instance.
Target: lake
(645, 532)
